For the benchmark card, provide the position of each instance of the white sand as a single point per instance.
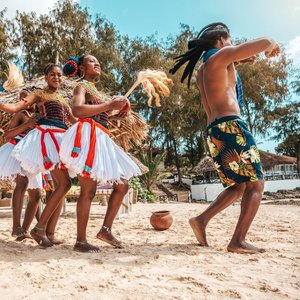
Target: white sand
(157, 265)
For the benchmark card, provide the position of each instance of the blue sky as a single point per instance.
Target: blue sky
(279, 19)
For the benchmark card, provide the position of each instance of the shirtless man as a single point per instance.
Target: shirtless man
(230, 142)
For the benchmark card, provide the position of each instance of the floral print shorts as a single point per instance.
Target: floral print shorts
(233, 150)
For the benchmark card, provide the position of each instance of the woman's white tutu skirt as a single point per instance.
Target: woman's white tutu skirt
(29, 150)
(111, 163)
(10, 168)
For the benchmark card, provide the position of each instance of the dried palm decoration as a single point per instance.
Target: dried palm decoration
(15, 77)
(130, 131)
(154, 83)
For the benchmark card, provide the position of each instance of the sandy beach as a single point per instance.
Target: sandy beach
(154, 264)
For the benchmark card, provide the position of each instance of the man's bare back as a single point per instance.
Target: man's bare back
(217, 88)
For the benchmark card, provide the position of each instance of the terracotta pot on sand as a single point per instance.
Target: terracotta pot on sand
(161, 220)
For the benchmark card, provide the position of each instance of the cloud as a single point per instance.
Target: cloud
(38, 6)
(293, 50)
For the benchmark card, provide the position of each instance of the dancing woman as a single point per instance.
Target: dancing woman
(21, 123)
(89, 152)
(38, 152)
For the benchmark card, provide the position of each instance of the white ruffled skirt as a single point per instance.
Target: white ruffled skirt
(29, 150)
(10, 168)
(110, 164)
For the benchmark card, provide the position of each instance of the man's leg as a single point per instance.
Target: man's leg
(226, 198)
(249, 206)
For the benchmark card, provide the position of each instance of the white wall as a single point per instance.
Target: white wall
(209, 192)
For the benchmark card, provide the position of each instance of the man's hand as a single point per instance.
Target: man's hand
(275, 51)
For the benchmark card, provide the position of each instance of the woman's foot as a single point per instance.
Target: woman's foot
(55, 241)
(16, 231)
(85, 247)
(39, 235)
(106, 236)
(22, 235)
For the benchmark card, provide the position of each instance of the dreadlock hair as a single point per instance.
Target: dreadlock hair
(71, 67)
(206, 39)
(49, 67)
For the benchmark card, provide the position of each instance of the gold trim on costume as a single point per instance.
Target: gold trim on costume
(49, 95)
(91, 89)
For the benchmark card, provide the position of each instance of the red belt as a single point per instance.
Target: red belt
(12, 141)
(47, 162)
(77, 143)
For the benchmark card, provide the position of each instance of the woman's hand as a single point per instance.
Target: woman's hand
(32, 121)
(118, 102)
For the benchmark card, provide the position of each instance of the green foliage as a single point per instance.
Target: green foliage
(152, 163)
(177, 128)
(142, 193)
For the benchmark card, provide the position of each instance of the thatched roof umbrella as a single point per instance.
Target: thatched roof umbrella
(205, 165)
(127, 133)
(270, 160)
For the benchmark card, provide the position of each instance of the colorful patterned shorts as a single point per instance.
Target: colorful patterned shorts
(233, 150)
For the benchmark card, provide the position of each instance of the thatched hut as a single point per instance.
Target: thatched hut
(206, 168)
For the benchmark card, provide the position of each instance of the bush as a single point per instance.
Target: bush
(142, 193)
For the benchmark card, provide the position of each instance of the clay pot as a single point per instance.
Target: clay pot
(161, 220)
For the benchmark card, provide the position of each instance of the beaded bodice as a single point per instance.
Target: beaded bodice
(52, 106)
(95, 98)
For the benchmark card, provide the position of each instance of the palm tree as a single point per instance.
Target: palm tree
(152, 163)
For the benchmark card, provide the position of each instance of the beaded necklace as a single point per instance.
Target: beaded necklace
(49, 95)
(91, 89)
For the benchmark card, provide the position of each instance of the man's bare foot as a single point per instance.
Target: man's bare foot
(54, 240)
(22, 235)
(106, 236)
(85, 247)
(244, 248)
(40, 237)
(199, 231)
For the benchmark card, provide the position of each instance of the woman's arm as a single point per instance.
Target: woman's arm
(14, 127)
(82, 110)
(71, 117)
(15, 107)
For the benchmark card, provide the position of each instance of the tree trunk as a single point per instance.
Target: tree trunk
(298, 157)
(177, 163)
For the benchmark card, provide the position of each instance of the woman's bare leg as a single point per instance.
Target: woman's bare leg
(39, 232)
(87, 193)
(50, 230)
(17, 203)
(114, 203)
